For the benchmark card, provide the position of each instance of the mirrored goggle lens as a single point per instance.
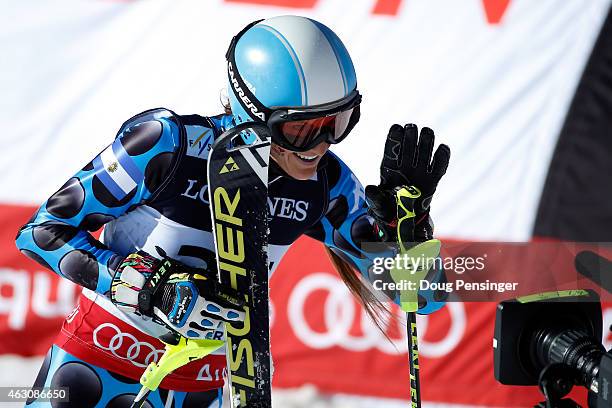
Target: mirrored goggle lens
(301, 133)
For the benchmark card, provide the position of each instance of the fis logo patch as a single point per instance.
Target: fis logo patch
(199, 140)
(229, 166)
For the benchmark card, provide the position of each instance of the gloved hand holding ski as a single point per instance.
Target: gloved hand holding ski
(188, 301)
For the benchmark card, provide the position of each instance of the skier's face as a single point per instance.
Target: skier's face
(300, 166)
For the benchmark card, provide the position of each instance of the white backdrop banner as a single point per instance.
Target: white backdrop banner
(493, 78)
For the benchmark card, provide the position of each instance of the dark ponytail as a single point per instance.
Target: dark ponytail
(378, 312)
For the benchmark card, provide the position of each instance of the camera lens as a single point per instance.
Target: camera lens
(573, 348)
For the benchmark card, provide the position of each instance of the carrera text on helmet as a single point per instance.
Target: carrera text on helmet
(245, 99)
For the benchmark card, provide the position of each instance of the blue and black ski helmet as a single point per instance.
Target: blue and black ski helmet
(294, 74)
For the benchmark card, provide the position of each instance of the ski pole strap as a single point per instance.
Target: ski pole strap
(405, 197)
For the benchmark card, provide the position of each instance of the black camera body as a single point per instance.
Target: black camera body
(518, 320)
(554, 340)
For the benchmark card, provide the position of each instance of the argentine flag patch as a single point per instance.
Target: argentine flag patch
(117, 170)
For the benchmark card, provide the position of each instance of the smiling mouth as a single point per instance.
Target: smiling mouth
(307, 159)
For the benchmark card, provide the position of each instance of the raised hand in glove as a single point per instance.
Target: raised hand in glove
(188, 301)
(407, 163)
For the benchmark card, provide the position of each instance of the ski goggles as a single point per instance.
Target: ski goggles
(301, 129)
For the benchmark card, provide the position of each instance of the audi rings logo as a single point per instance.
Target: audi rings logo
(339, 316)
(120, 340)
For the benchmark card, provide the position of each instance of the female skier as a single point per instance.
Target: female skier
(149, 191)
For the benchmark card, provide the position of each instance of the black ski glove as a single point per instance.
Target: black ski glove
(407, 163)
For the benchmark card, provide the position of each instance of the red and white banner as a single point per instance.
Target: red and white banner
(33, 301)
(320, 335)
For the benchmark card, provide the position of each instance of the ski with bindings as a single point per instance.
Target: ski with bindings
(238, 191)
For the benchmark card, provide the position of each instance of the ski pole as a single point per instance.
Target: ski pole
(426, 251)
(413, 357)
(410, 308)
(175, 356)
